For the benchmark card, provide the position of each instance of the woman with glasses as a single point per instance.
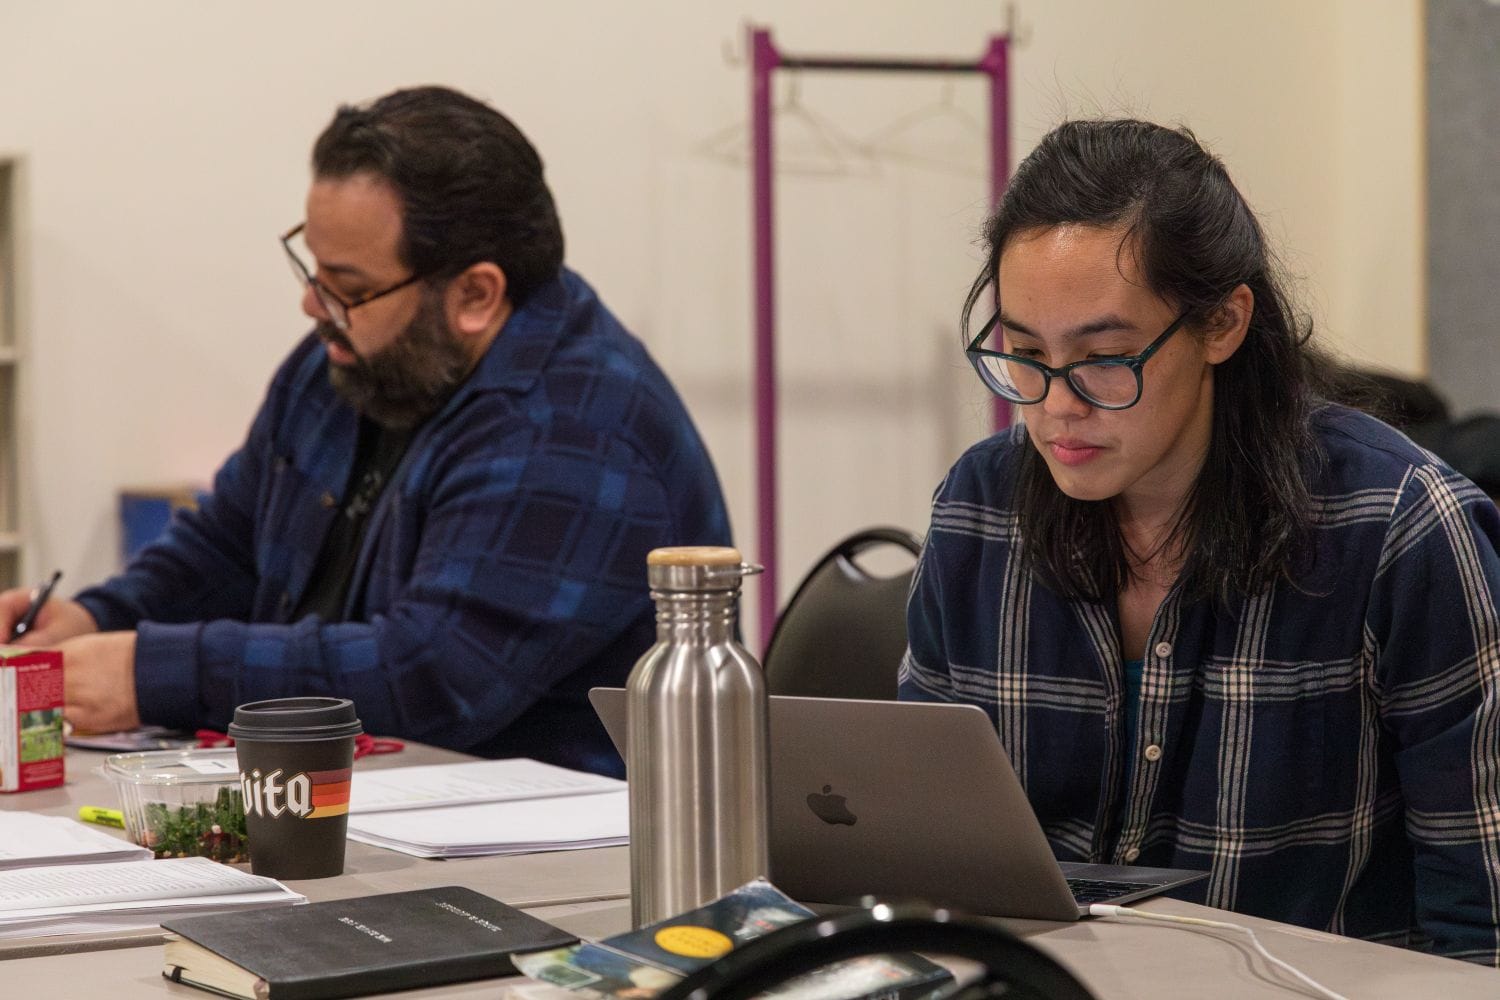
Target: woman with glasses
(1219, 622)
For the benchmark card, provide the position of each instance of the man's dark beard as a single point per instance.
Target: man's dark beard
(408, 381)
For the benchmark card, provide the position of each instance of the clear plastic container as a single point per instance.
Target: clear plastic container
(181, 803)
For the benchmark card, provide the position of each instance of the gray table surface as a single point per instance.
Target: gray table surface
(1114, 960)
(547, 879)
(586, 893)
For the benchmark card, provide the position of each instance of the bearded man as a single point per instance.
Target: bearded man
(443, 507)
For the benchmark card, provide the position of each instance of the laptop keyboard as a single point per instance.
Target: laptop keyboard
(1089, 890)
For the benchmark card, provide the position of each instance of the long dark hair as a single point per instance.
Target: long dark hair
(471, 185)
(1195, 240)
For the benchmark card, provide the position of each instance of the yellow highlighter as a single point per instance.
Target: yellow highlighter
(104, 817)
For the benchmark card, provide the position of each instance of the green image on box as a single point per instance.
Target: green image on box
(41, 735)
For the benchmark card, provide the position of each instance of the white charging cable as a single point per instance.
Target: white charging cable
(1110, 912)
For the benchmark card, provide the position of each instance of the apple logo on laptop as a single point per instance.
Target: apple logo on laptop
(830, 808)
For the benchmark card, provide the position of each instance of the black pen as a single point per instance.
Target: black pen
(38, 598)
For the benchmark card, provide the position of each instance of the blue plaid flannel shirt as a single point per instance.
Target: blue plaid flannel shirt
(503, 571)
(1329, 752)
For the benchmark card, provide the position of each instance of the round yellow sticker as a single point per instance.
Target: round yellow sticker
(693, 942)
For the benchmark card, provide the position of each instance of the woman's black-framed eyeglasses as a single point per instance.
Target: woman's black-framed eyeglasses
(1107, 383)
(333, 303)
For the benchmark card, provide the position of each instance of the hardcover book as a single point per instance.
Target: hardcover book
(352, 947)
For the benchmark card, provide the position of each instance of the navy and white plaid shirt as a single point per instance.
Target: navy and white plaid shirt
(503, 570)
(1330, 752)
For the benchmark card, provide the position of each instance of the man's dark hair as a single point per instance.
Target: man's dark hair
(1194, 240)
(471, 186)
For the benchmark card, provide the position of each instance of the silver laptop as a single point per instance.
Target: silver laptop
(910, 800)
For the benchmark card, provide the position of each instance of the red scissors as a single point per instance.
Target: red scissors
(364, 743)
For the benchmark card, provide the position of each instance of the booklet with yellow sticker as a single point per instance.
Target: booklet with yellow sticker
(642, 963)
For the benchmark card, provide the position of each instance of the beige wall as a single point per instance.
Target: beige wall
(1376, 273)
(1315, 107)
(164, 145)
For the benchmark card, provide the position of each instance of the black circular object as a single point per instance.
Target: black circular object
(1013, 968)
(295, 719)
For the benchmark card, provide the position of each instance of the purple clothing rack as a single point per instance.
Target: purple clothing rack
(765, 59)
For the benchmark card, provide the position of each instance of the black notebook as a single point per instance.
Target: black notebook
(351, 947)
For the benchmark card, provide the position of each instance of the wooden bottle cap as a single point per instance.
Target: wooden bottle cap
(694, 555)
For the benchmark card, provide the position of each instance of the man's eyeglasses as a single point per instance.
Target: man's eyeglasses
(334, 304)
(1108, 383)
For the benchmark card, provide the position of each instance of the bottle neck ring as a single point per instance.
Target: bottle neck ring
(697, 616)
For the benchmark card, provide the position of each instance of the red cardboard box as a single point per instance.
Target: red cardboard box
(31, 718)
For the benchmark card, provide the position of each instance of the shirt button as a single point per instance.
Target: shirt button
(1153, 752)
(1132, 854)
(1164, 649)
(328, 500)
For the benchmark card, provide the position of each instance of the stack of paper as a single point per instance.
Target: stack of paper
(30, 839)
(77, 899)
(487, 807)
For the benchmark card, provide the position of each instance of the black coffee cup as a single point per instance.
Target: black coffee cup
(296, 756)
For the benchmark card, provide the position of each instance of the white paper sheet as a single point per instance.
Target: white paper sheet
(431, 785)
(551, 824)
(28, 839)
(105, 886)
(58, 899)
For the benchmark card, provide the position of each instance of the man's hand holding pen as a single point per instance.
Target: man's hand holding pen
(39, 598)
(51, 619)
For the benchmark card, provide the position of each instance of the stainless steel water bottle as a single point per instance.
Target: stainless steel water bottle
(695, 752)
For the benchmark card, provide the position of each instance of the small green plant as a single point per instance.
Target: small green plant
(205, 829)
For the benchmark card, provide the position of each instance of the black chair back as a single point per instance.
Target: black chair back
(843, 632)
